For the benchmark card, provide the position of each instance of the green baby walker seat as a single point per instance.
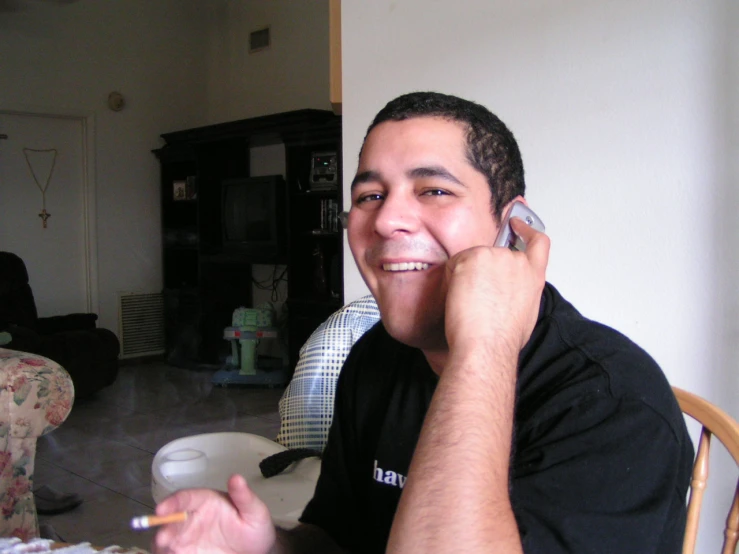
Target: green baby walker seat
(249, 326)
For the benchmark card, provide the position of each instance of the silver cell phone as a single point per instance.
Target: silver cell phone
(506, 237)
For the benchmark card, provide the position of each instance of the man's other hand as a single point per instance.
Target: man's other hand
(217, 523)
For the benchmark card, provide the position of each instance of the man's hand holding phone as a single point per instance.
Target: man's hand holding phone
(492, 304)
(494, 293)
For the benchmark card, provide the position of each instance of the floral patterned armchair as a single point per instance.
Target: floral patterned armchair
(36, 396)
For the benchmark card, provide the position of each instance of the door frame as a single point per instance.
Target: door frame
(89, 208)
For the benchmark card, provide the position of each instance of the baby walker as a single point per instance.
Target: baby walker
(244, 367)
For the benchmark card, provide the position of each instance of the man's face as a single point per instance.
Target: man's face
(416, 202)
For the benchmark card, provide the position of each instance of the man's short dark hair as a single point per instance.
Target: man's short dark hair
(491, 147)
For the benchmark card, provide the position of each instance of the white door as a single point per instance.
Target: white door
(42, 162)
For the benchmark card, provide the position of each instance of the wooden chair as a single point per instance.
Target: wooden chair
(718, 423)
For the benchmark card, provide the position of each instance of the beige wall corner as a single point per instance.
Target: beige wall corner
(334, 23)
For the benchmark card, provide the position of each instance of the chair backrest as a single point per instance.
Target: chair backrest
(714, 422)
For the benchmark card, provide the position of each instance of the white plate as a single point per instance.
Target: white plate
(227, 453)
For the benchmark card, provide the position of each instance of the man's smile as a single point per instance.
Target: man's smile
(405, 266)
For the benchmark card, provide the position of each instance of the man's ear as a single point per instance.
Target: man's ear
(507, 207)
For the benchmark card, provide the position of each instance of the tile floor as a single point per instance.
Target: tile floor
(104, 450)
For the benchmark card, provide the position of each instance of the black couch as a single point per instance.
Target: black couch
(89, 354)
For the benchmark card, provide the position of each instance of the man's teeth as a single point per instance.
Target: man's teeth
(405, 266)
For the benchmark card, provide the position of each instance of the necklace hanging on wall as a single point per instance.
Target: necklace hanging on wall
(44, 215)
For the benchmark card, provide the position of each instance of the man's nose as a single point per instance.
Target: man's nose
(397, 214)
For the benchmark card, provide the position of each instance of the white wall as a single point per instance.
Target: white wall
(66, 58)
(626, 114)
(291, 74)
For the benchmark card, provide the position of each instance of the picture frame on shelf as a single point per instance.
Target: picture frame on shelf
(179, 191)
(184, 189)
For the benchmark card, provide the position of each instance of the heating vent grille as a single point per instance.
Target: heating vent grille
(141, 318)
(259, 40)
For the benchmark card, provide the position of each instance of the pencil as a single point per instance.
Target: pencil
(147, 522)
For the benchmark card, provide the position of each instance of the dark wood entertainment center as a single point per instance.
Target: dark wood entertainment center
(205, 282)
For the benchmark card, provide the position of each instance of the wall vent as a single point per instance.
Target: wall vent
(259, 40)
(141, 324)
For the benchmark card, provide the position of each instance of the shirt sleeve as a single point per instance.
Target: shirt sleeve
(602, 476)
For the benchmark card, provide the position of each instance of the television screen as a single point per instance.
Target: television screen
(247, 212)
(253, 216)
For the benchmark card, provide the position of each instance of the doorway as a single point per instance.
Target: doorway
(47, 207)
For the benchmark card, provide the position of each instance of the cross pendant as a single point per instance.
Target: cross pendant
(44, 215)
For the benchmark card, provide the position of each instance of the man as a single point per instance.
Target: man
(485, 414)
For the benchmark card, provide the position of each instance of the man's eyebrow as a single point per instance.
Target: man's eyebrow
(365, 177)
(433, 171)
(415, 173)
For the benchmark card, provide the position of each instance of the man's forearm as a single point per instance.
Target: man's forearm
(456, 498)
(305, 539)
